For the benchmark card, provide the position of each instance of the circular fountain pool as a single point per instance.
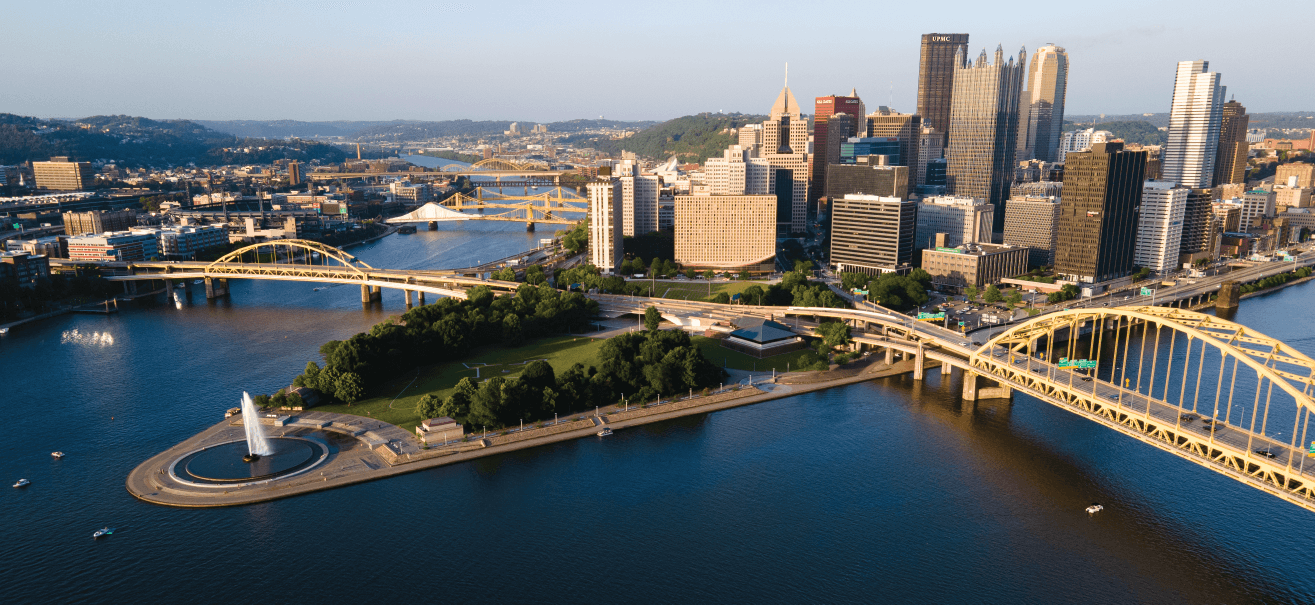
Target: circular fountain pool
(223, 464)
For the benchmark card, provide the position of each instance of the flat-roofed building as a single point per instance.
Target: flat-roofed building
(867, 177)
(99, 221)
(1098, 213)
(115, 246)
(22, 269)
(185, 242)
(726, 232)
(60, 174)
(905, 128)
(605, 237)
(963, 220)
(1033, 221)
(1291, 197)
(1229, 215)
(1160, 225)
(1200, 240)
(1256, 204)
(871, 234)
(977, 265)
(1304, 172)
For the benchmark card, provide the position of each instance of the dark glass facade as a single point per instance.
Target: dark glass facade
(936, 77)
(1099, 212)
(856, 148)
(868, 179)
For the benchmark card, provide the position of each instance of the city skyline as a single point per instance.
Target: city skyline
(1119, 65)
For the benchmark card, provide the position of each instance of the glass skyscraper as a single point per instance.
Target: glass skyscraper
(984, 129)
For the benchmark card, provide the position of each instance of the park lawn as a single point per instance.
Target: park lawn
(395, 401)
(698, 290)
(735, 360)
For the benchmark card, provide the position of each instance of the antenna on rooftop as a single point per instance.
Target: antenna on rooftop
(787, 75)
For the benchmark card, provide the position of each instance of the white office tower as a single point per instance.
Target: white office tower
(963, 220)
(605, 243)
(639, 199)
(1041, 109)
(1194, 121)
(1160, 226)
(737, 172)
(1256, 204)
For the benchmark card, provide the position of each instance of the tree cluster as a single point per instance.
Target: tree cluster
(1276, 280)
(891, 290)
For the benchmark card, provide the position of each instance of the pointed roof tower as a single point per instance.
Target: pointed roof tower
(785, 104)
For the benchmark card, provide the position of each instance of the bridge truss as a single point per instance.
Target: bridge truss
(296, 258)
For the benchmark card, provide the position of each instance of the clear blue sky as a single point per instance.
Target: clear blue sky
(546, 61)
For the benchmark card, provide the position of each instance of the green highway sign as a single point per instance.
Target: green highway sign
(1146, 292)
(1084, 364)
(950, 250)
(925, 316)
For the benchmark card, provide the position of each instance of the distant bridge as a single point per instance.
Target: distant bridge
(496, 168)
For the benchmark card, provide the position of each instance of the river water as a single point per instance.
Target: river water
(887, 491)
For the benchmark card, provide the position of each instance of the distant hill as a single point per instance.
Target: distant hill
(691, 138)
(1280, 124)
(278, 129)
(397, 130)
(1139, 131)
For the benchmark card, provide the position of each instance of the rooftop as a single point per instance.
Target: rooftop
(761, 331)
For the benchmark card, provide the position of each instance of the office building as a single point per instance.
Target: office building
(1033, 221)
(1291, 197)
(411, 194)
(869, 177)
(1200, 240)
(857, 147)
(1041, 108)
(785, 147)
(1188, 157)
(1053, 189)
(1256, 204)
(115, 246)
(1160, 225)
(831, 152)
(606, 246)
(930, 149)
(1229, 215)
(1098, 213)
(294, 173)
(726, 232)
(906, 128)
(737, 172)
(936, 65)
(824, 136)
(963, 220)
(59, 174)
(1231, 157)
(934, 172)
(1304, 172)
(984, 129)
(181, 243)
(23, 270)
(871, 234)
(99, 221)
(1081, 140)
(979, 265)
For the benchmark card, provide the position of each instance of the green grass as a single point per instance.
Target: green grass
(698, 290)
(735, 360)
(441, 379)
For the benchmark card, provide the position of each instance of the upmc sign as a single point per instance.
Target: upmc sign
(940, 38)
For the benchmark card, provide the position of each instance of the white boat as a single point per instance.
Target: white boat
(22, 483)
(198, 282)
(57, 454)
(107, 531)
(604, 432)
(1094, 508)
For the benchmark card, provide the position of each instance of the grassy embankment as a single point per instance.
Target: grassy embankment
(698, 290)
(735, 360)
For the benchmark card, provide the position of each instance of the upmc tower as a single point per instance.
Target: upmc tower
(936, 77)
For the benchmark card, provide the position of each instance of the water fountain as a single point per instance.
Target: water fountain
(257, 444)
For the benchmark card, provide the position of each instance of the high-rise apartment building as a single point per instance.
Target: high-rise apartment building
(905, 128)
(726, 232)
(963, 220)
(294, 173)
(1304, 172)
(984, 129)
(1200, 239)
(606, 244)
(737, 172)
(1098, 213)
(60, 174)
(1188, 157)
(1041, 109)
(1229, 215)
(871, 233)
(1231, 157)
(1160, 225)
(1256, 204)
(824, 136)
(867, 177)
(1081, 140)
(99, 221)
(639, 199)
(936, 66)
(1033, 221)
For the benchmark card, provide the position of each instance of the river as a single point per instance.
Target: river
(886, 491)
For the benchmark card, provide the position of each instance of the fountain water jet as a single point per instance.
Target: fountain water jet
(257, 443)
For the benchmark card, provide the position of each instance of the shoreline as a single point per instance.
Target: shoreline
(358, 466)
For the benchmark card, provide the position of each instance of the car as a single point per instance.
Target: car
(1039, 370)
(1186, 417)
(1110, 397)
(1265, 453)
(1086, 379)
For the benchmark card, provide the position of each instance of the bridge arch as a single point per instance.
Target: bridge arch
(310, 248)
(497, 164)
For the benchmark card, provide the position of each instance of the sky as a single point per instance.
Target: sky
(549, 61)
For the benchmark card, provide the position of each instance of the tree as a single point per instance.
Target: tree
(971, 292)
(578, 238)
(992, 295)
(511, 329)
(429, 406)
(457, 405)
(834, 333)
(690, 273)
(652, 319)
(708, 274)
(534, 275)
(753, 295)
(803, 266)
(348, 388)
(744, 274)
(1015, 297)
(722, 298)
(505, 274)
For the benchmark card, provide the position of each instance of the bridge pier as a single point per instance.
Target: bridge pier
(168, 288)
(422, 297)
(972, 391)
(370, 294)
(918, 360)
(376, 293)
(408, 299)
(215, 288)
(890, 356)
(529, 227)
(945, 369)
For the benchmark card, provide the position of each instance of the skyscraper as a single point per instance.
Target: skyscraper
(1231, 160)
(1198, 240)
(984, 129)
(936, 66)
(907, 128)
(1041, 109)
(1030, 221)
(871, 233)
(605, 223)
(1194, 121)
(1098, 214)
(785, 147)
(1160, 225)
(823, 138)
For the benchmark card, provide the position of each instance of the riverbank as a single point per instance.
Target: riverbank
(365, 449)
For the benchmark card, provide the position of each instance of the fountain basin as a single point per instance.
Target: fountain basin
(223, 464)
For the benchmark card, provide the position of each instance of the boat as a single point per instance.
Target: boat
(198, 282)
(22, 483)
(107, 531)
(57, 454)
(604, 432)
(1094, 508)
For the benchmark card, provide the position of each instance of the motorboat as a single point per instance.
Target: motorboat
(605, 432)
(57, 454)
(1094, 508)
(198, 282)
(106, 531)
(22, 483)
